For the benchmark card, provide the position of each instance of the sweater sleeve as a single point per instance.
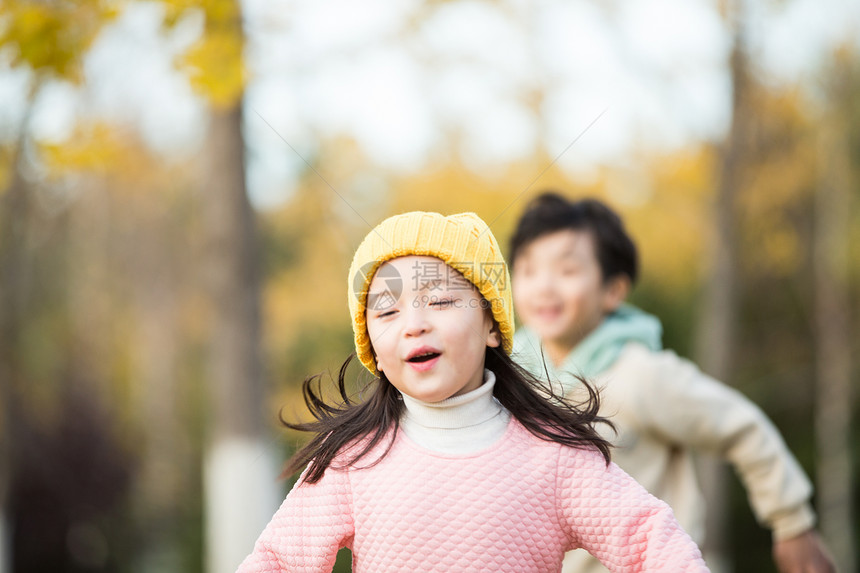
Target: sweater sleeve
(607, 513)
(314, 521)
(688, 408)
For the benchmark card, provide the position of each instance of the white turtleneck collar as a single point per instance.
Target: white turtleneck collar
(458, 425)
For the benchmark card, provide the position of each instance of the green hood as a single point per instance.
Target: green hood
(597, 351)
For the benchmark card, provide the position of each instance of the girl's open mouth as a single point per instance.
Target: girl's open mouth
(424, 361)
(424, 357)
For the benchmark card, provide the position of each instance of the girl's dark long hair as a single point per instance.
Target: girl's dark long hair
(368, 422)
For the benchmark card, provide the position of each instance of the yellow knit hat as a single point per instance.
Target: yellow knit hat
(463, 241)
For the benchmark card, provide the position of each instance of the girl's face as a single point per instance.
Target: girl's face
(429, 339)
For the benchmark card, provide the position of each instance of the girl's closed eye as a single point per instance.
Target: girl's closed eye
(443, 303)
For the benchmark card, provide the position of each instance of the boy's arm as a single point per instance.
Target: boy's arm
(607, 513)
(689, 408)
(314, 521)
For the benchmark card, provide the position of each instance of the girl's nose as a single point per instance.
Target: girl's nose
(416, 320)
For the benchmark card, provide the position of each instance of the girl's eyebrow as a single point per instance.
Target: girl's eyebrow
(459, 282)
(431, 284)
(373, 299)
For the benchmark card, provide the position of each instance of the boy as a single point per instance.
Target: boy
(573, 266)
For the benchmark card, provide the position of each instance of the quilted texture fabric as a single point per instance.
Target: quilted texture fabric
(516, 506)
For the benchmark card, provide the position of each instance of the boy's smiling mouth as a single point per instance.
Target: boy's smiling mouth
(548, 312)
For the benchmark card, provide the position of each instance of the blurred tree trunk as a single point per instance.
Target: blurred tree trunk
(14, 273)
(45, 48)
(13, 220)
(239, 474)
(716, 337)
(833, 338)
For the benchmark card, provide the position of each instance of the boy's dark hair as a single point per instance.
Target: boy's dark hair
(365, 424)
(550, 212)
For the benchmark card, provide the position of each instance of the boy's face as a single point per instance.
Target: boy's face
(558, 287)
(430, 340)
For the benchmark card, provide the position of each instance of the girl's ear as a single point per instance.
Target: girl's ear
(494, 337)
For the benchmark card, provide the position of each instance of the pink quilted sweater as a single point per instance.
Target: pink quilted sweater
(516, 506)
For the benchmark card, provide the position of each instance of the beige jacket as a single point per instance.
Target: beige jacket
(664, 408)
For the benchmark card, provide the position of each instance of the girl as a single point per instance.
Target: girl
(456, 460)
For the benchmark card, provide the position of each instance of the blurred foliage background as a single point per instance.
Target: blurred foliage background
(155, 318)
